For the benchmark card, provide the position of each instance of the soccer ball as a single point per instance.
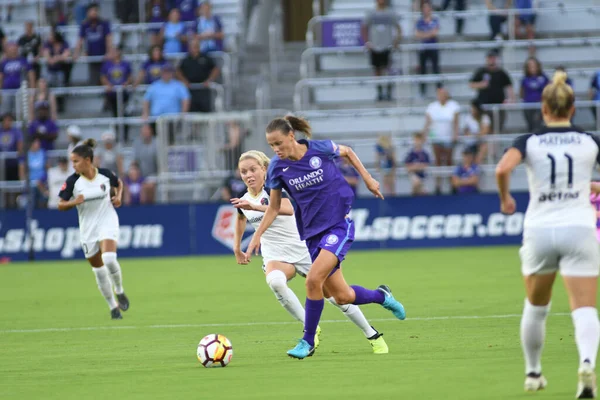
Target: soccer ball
(214, 350)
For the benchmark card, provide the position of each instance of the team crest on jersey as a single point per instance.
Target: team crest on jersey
(315, 162)
(103, 187)
(64, 186)
(331, 239)
(223, 229)
(264, 201)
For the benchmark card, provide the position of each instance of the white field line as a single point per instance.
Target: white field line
(335, 321)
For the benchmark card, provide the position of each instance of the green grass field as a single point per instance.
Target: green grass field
(460, 339)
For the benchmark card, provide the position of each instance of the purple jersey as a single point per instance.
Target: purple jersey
(187, 9)
(11, 70)
(9, 139)
(135, 189)
(116, 73)
(44, 128)
(466, 172)
(95, 36)
(532, 87)
(322, 195)
(153, 70)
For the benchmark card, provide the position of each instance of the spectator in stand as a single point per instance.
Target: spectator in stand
(459, 5)
(210, 30)
(187, 9)
(57, 176)
(43, 127)
(233, 187)
(11, 139)
(442, 128)
(477, 126)
(594, 94)
(378, 33)
(525, 18)
(427, 30)
(497, 16)
(145, 154)
(152, 67)
(133, 183)
(494, 86)
(166, 96)
(13, 68)
(172, 34)
(57, 54)
(116, 72)
(416, 162)
(156, 13)
(42, 93)
(127, 11)
(466, 176)
(232, 150)
(532, 84)
(30, 44)
(96, 34)
(74, 139)
(109, 155)
(198, 69)
(349, 173)
(386, 164)
(37, 165)
(8, 13)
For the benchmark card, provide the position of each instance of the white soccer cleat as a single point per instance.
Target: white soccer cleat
(535, 382)
(586, 388)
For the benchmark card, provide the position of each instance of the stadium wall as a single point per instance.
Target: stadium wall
(207, 229)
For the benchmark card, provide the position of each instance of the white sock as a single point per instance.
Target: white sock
(354, 314)
(110, 261)
(104, 285)
(587, 333)
(287, 298)
(533, 332)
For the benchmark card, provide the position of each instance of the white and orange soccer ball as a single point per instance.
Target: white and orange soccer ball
(214, 350)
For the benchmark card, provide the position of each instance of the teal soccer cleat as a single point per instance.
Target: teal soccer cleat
(390, 303)
(302, 350)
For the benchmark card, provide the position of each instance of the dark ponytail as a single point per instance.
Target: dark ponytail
(289, 124)
(85, 149)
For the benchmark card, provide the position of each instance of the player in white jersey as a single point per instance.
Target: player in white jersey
(284, 254)
(559, 231)
(89, 189)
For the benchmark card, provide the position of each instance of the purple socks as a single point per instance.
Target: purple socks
(366, 296)
(313, 310)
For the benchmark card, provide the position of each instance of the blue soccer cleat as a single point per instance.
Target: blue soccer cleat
(302, 350)
(390, 303)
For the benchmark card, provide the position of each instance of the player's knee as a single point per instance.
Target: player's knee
(277, 281)
(109, 259)
(313, 284)
(343, 298)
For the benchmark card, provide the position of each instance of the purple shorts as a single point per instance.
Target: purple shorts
(337, 239)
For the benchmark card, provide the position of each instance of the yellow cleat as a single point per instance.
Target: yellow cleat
(317, 337)
(379, 345)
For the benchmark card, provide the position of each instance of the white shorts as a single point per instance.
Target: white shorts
(302, 266)
(90, 248)
(572, 250)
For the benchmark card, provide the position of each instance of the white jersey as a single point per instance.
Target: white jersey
(281, 242)
(560, 163)
(98, 219)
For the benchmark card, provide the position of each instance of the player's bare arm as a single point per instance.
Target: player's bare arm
(353, 159)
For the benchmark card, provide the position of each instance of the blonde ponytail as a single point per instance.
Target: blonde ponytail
(558, 96)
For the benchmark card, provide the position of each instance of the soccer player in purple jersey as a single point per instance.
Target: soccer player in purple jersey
(307, 170)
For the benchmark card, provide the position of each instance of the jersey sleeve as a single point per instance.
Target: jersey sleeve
(596, 140)
(273, 178)
(114, 181)
(66, 190)
(520, 144)
(326, 147)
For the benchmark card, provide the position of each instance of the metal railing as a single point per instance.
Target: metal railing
(263, 89)
(275, 32)
(309, 56)
(312, 34)
(301, 90)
